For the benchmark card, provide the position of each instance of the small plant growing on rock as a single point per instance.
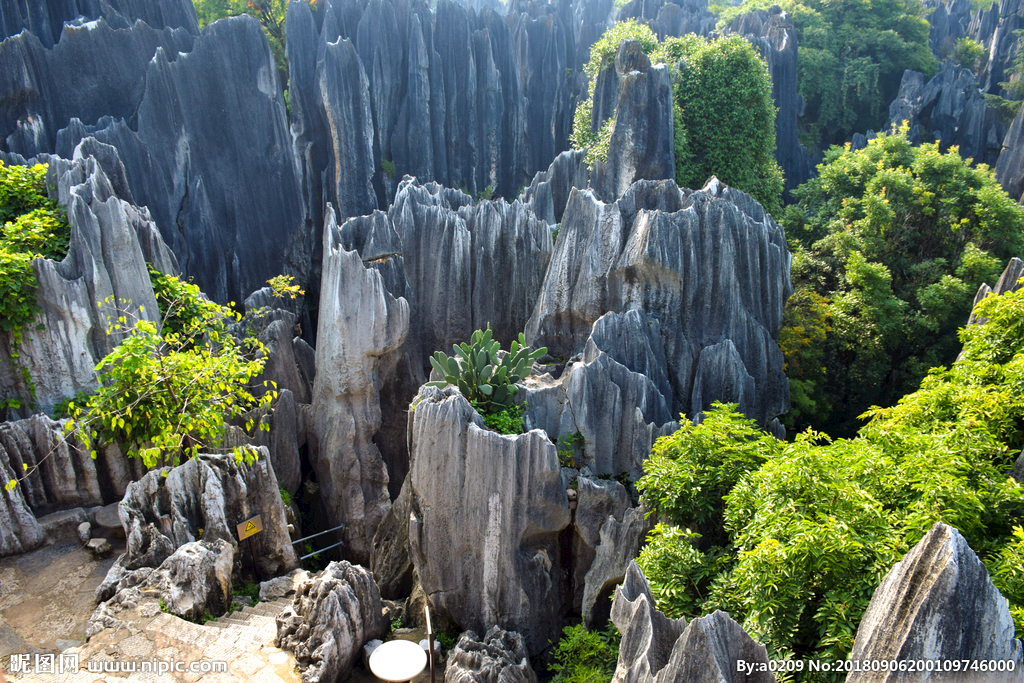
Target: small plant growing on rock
(489, 383)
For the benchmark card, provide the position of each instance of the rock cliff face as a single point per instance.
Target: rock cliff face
(159, 96)
(656, 649)
(493, 559)
(668, 254)
(1010, 167)
(949, 109)
(111, 240)
(362, 327)
(992, 26)
(46, 19)
(498, 657)
(938, 603)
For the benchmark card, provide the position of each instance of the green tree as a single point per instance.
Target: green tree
(896, 239)
(724, 116)
(169, 390)
(852, 56)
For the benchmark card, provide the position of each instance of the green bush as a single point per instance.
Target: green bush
(889, 245)
(489, 383)
(165, 395)
(583, 656)
(31, 226)
(388, 168)
(967, 52)
(507, 421)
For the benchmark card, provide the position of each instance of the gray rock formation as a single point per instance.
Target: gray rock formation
(655, 649)
(948, 109)
(19, 529)
(609, 535)
(96, 70)
(484, 518)
(549, 190)
(167, 508)
(47, 19)
(499, 657)
(672, 17)
(58, 472)
(231, 225)
(993, 27)
(332, 616)
(1009, 281)
(1010, 166)
(707, 273)
(642, 144)
(938, 603)
(107, 258)
(361, 326)
(195, 579)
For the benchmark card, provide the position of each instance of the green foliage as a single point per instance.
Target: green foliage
(31, 226)
(486, 194)
(889, 244)
(851, 60)
(689, 471)
(487, 382)
(286, 498)
(679, 574)
(165, 395)
(284, 287)
(723, 116)
(812, 530)
(967, 53)
(388, 167)
(506, 421)
(583, 656)
(569, 446)
(248, 590)
(448, 637)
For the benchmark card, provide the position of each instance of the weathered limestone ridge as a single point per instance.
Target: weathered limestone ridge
(361, 327)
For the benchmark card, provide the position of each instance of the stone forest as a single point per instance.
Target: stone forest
(642, 341)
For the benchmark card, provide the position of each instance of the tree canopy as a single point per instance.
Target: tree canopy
(889, 244)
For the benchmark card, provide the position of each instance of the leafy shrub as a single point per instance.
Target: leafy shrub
(284, 287)
(165, 395)
(568, 446)
(388, 167)
(811, 531)
(31, 226)
(486, 194)
(487, 382)
(507, 421)
(583, 656)
(967, 52)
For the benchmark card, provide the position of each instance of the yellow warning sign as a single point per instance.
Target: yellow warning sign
(249, 527)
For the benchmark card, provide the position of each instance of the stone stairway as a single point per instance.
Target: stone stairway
(244, 641)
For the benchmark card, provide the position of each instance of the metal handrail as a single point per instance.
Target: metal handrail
(317, 552)
(306, 538)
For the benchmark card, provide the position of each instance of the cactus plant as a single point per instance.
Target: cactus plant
(487, 381)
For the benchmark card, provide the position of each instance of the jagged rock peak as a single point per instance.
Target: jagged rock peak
(499, 657)
(656, 649)
(46, 20)
(938, 603)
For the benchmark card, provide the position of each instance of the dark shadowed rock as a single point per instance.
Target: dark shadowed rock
(938, 603)
(47, 19)
(655, 649)
(949, 109)
(486, 513)
(993, 26)
(94, 71)
(332, 616)
(361, 327)
(1010, 167)
(231, 225)
(499, 657)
